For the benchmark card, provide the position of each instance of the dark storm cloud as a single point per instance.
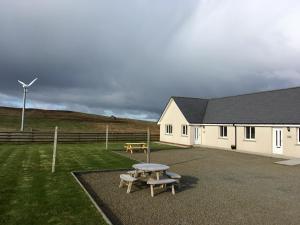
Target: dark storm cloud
(128, 57)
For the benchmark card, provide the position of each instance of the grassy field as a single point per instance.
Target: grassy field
(46, 120)
(30, 194)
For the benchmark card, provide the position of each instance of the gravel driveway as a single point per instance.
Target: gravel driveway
(218, 187)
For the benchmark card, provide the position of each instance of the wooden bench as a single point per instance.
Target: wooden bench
(127, 180)
(129, 147)
(164, 182)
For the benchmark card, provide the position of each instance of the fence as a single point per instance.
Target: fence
(63, 137)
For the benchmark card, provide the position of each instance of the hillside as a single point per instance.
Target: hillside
(46, 120)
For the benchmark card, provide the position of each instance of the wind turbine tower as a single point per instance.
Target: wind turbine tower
(25, 87)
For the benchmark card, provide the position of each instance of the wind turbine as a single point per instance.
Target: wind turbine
(25, 87)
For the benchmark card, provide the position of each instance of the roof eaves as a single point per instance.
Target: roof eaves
(163, 111)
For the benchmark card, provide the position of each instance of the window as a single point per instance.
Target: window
(169, 129)
(184, 130)
(250, 133)
(298, 135)
(223, 131)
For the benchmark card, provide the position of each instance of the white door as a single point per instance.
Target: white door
(277, 141)
(197, 135)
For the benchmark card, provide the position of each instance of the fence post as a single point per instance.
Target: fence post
(148, 145)
(106, 138)
(54, 150)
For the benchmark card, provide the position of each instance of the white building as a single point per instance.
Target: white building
(264, 123)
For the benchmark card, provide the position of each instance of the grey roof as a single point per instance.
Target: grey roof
(269, 107)
(193, 109)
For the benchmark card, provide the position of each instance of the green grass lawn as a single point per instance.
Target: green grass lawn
(31, 194)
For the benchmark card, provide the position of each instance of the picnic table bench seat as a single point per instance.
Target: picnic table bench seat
(127, 180)
(164, 182)
(173, 175)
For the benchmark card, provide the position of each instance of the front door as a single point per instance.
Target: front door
(277, 141)
(197, 135)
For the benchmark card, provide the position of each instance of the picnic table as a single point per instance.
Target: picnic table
(129, 147)
(141, 172)
(152, 168)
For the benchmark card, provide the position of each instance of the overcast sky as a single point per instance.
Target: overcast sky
(127, 58)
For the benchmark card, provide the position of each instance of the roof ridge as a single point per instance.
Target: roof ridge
(231, 96)
(190, 97)
(254, 93)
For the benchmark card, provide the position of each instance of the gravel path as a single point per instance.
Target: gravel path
(219, 187)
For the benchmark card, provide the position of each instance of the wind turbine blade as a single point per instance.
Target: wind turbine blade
(22, 83)
(32, 82)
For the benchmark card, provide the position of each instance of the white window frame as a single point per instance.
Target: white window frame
(222, 132)
(184, 130)
(250, 134)
(298, 135)
(168, 129)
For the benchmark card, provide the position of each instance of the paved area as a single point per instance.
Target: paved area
(219, 187)
(290, 162)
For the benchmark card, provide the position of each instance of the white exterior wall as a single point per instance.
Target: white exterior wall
(262, 144)
(174, 117)
(291, 147)
(211, 137)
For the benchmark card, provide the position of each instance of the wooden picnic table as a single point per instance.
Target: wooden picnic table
(129, 147)
(151, 167)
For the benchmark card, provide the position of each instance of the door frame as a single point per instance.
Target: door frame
(277, 147)
(197, 130)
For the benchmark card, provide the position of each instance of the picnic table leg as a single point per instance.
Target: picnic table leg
(129, 187)
(157, 175)
(173, 189)
(152, 191)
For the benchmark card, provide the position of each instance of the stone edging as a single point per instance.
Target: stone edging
(73, 173)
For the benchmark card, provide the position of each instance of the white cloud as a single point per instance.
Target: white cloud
(234, 38)
(128, 57)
